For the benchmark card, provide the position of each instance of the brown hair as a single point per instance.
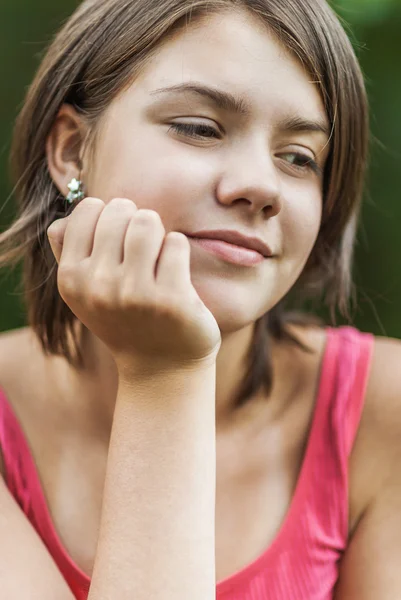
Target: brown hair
(97, 54)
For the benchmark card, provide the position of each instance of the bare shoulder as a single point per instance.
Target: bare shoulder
(377, 448)
(10, 339)
(11, 345)
(14, 340)
(385, 379)
(20, 357)
(382, 411)
(24, 377)
(23, 554)
(370, 566)
(27, 375)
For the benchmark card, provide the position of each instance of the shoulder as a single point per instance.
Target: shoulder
(377, 450)
(12, 357)
(23, 379)
(18, 356)
(387, 356)
(14, 340)
(384, 389)
(381, 417)
(27, 375)
(370, 566)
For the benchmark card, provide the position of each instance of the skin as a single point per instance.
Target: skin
(243, 179)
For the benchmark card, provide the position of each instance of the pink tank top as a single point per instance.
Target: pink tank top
(302, 562)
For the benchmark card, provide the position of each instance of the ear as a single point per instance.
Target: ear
(65, 146)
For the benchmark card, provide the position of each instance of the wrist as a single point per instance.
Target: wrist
(135, 372)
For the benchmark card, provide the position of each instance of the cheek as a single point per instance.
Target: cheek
(154, 171)
(301, 224)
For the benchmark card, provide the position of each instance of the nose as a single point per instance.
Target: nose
(250, 177)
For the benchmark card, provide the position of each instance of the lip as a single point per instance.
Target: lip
(236, 238)
(237, 255)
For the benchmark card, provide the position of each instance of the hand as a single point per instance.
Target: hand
(129, 283)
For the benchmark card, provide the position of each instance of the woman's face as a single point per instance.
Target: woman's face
(203, 164)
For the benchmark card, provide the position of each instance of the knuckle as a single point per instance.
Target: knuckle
(67, 279)
(145, 216)
(89, 203)
(177, 239)
(67, 273)
(123, 203)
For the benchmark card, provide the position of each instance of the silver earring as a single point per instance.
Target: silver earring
(76, 188)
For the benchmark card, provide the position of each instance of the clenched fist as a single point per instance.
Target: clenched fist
(129, 283)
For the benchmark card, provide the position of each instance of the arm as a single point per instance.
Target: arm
(157, 533)
(27, 571)
(157, 529)
(371, 567)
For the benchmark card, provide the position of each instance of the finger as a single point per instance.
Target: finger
(111, 228)
(55, 235)
(142, 246)
(173, 269)
(80, 233)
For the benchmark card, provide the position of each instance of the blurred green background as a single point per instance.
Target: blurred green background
(374, 26)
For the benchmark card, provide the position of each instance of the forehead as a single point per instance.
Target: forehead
(234, 51)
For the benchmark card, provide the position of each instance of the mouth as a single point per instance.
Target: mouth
(228, 252)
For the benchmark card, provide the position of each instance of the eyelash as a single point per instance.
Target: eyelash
(198, 131)
(308, 163)
(194, 130)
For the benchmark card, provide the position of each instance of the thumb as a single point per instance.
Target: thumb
(55, 234)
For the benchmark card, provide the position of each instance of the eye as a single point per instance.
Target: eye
(301, 162)
(195, 130)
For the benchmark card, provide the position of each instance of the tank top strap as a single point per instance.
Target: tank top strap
(23, 481)
(18, 462)
(352, 353)
(316, 528)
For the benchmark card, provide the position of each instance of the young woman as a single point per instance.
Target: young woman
(169, 429)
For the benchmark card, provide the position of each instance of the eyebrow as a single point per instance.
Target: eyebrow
(300, 124)
(223, 100)
(231, 103)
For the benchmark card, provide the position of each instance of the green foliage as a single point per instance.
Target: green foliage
(366, 11)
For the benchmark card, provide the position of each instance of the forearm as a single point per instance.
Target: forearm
(157, 531)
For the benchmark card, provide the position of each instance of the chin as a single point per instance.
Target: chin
(232, 316)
